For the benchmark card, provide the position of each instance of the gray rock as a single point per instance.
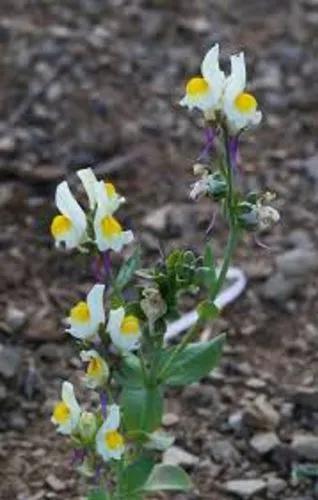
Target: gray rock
(55, 483)
(172, 218)
(156, 220)
(283, 457)
(10, 359)
(299, 238)
(3, 392)
(297, 262)
(235, 421)
(170, 419)
(15, 318)
(276, 485)
(261, 414)
(49, 352)
(306, 446)
(311, 167)
(245, 488)
(7, 144)
(224, 452)
(307, 397)
(294, 267)
(255, 383)
(278, 288)
(17, 422)
(177, 456)
(264, 442)
(201, 394)
(6, 194)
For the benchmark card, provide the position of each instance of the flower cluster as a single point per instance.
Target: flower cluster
(223, 98)
(87, 318)
(98, 227)
(83, 426)
(228, 110)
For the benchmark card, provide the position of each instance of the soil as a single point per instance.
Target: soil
(91, 83)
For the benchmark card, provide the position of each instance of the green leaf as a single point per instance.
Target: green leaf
(207, 310)
(142, 408)
(127, 270)
(168, 477)
(195, 362)
(136, 474)
(159, 440)
(98, 495)
(130, 373)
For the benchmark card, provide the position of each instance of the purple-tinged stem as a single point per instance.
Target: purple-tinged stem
(101, 267)
(98, 473)
(103, 404)
(233, 149)
(78, 456)
(209, 136)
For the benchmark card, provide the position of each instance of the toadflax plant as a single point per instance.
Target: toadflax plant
(120, 335)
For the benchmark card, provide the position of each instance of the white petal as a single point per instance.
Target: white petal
(100, 443)
(81, 332)
(69, 399)
(115, 320)
(236, 82)
(89, 182)
(113, 419)
(88, 355)
(96, 305)
(108, 204)
(68, 206)
(210, 63)
(68, 395)
(71, 239)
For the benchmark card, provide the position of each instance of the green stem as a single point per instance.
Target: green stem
(228, 254)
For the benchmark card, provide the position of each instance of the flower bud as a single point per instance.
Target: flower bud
(267, 217)
(153, 304)
(199, 169)
(247, 215)
(216, 186)
(87, 426)
(213, 184)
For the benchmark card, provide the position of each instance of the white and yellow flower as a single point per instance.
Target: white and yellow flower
(205, 92)
(69, 227)
(97, 370)
(66, 413)
(240, 107)
(86, 316)
(100, 190)
(109, 234)
(123, 329)
(109, 441)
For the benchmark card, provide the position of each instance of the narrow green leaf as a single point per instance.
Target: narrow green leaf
(168, 477)
(142, 408)
(127, 270)
(194, 362)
